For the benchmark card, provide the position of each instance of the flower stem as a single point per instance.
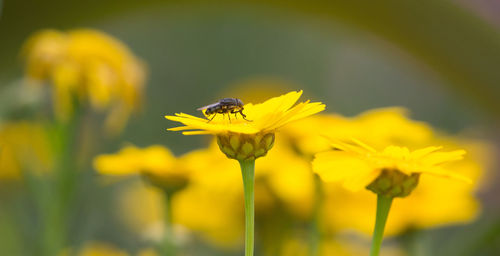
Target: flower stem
(247, 172)
(59, 193)
(169, 245)
(316, 235)
(383, 207)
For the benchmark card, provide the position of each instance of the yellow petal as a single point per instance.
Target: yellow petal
(333, 166)
(437, 158)
(261, 118)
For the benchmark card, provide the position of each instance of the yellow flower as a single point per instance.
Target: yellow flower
(162, 170)
(247, 140)
(96, 249)
(296, 246)
(86, 64)
(377, 127)
(347, 210)
(290, 179)
(389, 173)
(393, 171)
(24, 146)
(156, 163)
(211, 204)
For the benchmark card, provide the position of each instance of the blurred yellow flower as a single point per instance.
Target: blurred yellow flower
(86, 64)
(377, 127)
(153, 218)
(290, 179)
(211, 204)
(391, 125)
(389, 173)
(246, 140)
(297, 246)
(24, 146)
(96, 249)
(156, 163)
(357, 165)
(423, 208)
(347, 210)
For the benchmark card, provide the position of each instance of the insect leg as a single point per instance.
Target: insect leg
(213, 116)
(243, 115)
(229, 116)
(235, 113)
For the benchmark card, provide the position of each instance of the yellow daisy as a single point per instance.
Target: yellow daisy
(155, 162)
(391, 172)
(158, 166)
(395, 170)
(249, 139)
(347, 210)
(89, 66)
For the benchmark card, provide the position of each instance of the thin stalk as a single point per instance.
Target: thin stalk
(247, 172)
(169, 245)
(52, 206)
(315, 238)
(383, 207)
(60, 192)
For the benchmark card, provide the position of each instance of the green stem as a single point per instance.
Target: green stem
(315, 238)
(247, 172)
(168, 246)
(59, 193)
(383, 207)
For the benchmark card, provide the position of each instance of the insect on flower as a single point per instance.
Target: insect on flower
(225, 106)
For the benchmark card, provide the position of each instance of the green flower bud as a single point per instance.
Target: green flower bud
(393, 183)
(243, 147)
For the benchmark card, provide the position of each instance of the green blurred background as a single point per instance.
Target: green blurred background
(439, 59)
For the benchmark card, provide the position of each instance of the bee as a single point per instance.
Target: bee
(225, 106)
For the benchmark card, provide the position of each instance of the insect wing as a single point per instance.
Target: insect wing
(229, 101)
(208, 106)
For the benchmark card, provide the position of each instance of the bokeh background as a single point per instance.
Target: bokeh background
(439, 59)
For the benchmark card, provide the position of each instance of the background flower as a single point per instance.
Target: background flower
(422, 209)
(24, 146)
(212, 205)
(89, 66)
(156, 163)
(97, 249)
